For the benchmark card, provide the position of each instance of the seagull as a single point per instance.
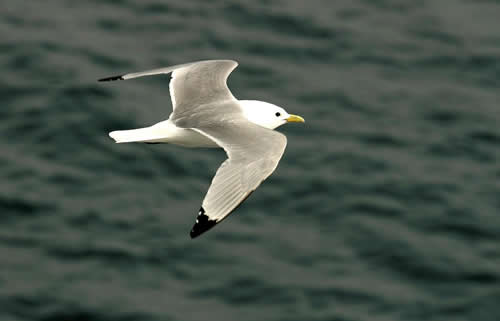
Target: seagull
(206, 114)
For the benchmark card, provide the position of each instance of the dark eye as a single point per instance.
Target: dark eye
(278, 114)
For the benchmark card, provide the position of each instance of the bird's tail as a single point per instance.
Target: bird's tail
(140, 135)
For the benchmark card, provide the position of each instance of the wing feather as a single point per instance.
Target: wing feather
(192, 84)
(253, 154)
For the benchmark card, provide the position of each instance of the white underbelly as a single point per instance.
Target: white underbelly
(183, 136)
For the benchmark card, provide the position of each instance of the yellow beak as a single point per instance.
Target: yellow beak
(295, 119)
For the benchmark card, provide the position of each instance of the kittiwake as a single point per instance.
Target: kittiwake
(206, 114)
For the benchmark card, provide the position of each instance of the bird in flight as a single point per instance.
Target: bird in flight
(206, 114)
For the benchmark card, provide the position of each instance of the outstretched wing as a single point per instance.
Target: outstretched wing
(192, 84)
(253, 154)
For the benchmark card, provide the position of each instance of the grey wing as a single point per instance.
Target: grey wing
(192, 84)
(199, 84)
(157, 71)
(253, 154)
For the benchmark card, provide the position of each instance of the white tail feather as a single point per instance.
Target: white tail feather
(144, 135)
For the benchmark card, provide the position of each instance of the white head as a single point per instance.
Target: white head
(266, 114)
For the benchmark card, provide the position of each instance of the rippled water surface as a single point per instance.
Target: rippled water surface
(385, 206)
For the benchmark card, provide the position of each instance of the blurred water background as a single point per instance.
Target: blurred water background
(384, 207)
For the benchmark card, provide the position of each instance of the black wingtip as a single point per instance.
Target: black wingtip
(203, 224)
(113, 78)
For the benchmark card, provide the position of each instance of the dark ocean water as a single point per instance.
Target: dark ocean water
(386, 205)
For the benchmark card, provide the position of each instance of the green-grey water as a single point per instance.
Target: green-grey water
(385, 205)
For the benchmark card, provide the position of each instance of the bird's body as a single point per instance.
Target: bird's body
(206, 114)
(167, 132)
